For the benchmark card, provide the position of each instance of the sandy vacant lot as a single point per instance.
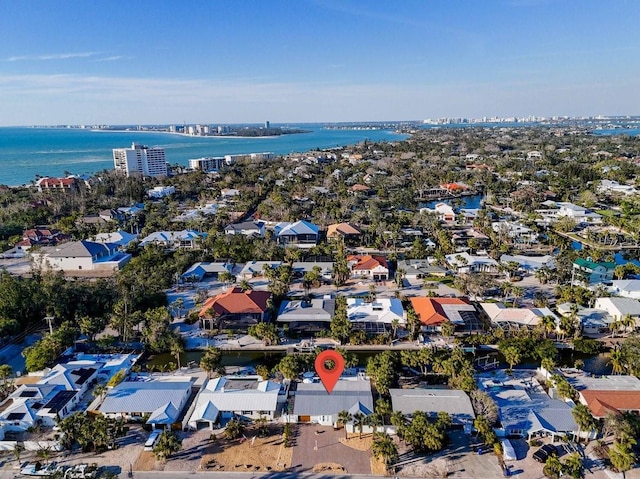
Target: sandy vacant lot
(240, 455)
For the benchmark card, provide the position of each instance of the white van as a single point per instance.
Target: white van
(152, 440)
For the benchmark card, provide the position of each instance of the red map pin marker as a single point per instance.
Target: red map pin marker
(329, 377)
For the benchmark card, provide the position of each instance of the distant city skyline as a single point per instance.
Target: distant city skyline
(161, 62)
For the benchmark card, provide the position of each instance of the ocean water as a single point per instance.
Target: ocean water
(27, 152)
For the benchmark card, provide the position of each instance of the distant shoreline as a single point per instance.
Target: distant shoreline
(194, 136)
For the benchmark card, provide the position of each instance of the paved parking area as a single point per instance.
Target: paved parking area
(330, 449)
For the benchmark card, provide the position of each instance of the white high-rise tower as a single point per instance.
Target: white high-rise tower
(140, 160)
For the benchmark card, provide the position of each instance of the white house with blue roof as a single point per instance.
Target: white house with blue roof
(185, 239)
(301, 234)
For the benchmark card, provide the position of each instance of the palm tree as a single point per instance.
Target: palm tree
(359, 420)
(616, 360)
(548, 322)
(628, 322)
(583, 418)
(375, 420)
(245, 285)
(512, 356)
(167, 444)
(384, 448)
(17, 451)
(211, 360)
(517, 293)
(100, 391)
(343, 418)
(5, 373)
(399, 421)
(234, 429)
(622, 456)
(176, 350)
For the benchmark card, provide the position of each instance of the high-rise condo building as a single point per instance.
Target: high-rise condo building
(140, 160)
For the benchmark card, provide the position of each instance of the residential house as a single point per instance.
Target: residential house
(592, 272)
(235, 308)
(455, 402)
(42, 237)
(120, 238)
(302, 267)
(605, 395)
(515, 318)
(568, 210)
(377, 316)
(620, 308)
(370, 267)
(627, 288)
(466, 263)
(345, 231)
(433, 312)
(76, 256)
(201, 270)
(185, 239)
(516, 232)
(301, 234)
(525, 409)
(229, 194)
(243, 397)
(312, 403)
(307, 315)
(445, 213)
(58, 184)
(197, 214)
(593, 321)
(255, 269)
(159, 192)
(161, 399)
(420, 268)
(529, 263)
(55, 396)
(612, 187)
(247, 228)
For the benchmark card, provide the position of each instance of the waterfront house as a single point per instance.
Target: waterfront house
(58, 184)
(301, 234)
(604, 395)
(515, 318)
(312, 403)
(431, 401)
(243, 397)
(159, 192)
(529, 263)
(433, 312)
(592, 272)
(620, 308)
(235, 308)
(307, 315)
(378, 316)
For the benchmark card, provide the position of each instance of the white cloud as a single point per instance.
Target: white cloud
(54, 56)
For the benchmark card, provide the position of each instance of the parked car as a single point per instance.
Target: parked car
(152, 440)
(546, 451)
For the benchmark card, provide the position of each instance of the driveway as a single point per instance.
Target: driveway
(330, 449)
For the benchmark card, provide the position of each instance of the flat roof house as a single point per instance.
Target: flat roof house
(226, 397)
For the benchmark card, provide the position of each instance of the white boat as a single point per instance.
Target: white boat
(37, 469)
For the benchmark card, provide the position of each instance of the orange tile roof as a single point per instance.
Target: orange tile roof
(430, 311)
(367, 262)
(359, 187)
(236, 301)
(603, 402)
(342, 229)
(453, 186)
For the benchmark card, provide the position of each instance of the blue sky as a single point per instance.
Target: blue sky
(315, 60)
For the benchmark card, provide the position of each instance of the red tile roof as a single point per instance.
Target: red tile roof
(367, 262)
(236, 301)
(430, 310)
(603, 402)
